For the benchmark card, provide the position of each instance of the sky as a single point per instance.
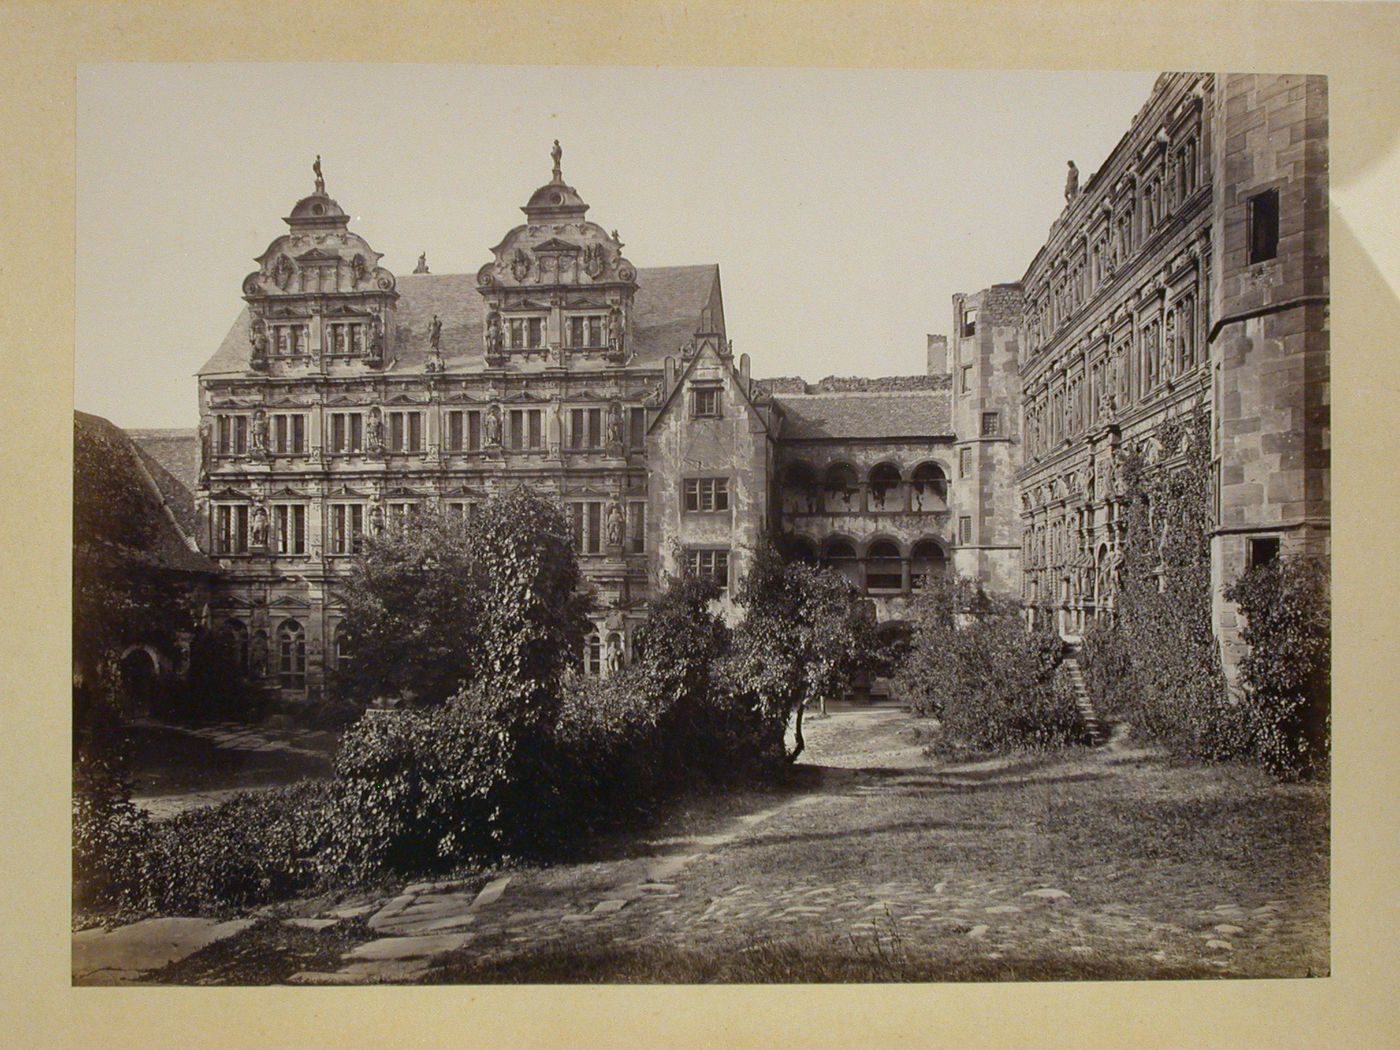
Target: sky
(844, 207)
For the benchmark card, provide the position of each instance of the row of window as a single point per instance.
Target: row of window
(237, 529)
(463, 431)
(1168, 344)
(581, 332)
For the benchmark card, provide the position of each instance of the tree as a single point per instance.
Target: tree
(806, 633)
(413, 603)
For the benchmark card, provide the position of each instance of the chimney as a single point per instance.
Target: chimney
(938, 355)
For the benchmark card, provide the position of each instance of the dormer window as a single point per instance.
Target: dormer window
(526, 333)
(705, 402)
(587, 332)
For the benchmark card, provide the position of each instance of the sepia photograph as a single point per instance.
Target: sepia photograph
(555, 525)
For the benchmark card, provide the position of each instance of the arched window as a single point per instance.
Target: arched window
(884, 568)
(291, 655)
(884, 487)
(929, 488)
(344, 649)
(593, 654)
(801, 548)
(801, 492)
(840, 554)
(926, 561)
(842, 485)
(236, 632)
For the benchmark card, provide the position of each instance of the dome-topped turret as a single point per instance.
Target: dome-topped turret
(317, 210)
(555, 201)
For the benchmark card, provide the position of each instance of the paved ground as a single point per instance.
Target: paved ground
(682, 890)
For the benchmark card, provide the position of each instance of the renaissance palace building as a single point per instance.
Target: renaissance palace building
(1189, 271)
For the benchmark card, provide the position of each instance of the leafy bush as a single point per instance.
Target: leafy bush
(111, 843)
(1001, 692)
(1287, 673)
(923, 678)
(253, 849)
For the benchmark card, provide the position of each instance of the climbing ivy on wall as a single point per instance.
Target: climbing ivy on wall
(1157, 666)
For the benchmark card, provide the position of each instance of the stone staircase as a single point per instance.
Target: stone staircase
(1092, 726)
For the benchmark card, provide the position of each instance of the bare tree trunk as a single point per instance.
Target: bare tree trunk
(798, 743)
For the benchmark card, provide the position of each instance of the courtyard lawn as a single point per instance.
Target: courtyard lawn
(871, 862)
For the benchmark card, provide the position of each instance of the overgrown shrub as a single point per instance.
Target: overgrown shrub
(1287, 673)
(1001, 691)
(111, 843)
(922, 679)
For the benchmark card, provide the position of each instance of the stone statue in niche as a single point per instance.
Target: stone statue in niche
(374, 432)
(615, 330)
(615, 426)
(257, 337)
(434, 332)
(614, 657)
(495, 335)
(206, 450)
(357, 268)
(375, 356)
(258, 438)
(615, 524)
(283, 271)
(493, 426)
(520, 264)
(376, 518)
(320, 181)
(258, 528)
(1071, 182)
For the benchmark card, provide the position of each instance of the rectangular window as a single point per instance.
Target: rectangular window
(965, 379)
(964, 462)
(405, 432)
(233, 435)
(526, 428)
(637, 428)
(347, 527)
(347, 432)
(969, 323)
(474, 431)
(586, 332)
(402, 512)
(636, 528)
(709, 564)
(588, 526)
(1263, 226)
(455, 434)
(706, 494)
(1263, 550)
(289, 520)
(231, 529)
(463, 510)
(289, 434)
(585, 428)
(965, 529)
(991, 424)
(526, 333)
(704, 401)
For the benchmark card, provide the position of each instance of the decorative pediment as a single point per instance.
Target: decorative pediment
(555, 245)
(523, 396)
(289, 402)
(586, 490)
(403, 492)
(463, 491)
(340, 400)
(346, 491)
(288, 601)
(286, 492)
(230, 493)
(318, 255)
(587, 304)
(405, 399)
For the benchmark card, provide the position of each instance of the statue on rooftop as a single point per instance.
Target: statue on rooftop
(320, 181)
(434, 332)
(422, 266)
(1071, 182)
(557, 154)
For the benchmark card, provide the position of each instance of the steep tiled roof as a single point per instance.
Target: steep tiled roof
(864, 415)
(119, 466)
(175, 453)
(666, 313)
